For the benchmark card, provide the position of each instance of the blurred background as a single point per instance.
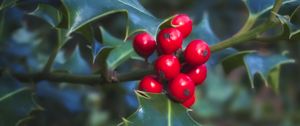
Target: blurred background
(225, 99)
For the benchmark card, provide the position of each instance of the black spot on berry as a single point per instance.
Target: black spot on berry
(204, 53)
(186, 92)
(167, 35)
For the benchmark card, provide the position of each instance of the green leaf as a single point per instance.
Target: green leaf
(109, 40)
(87, 32)
(82, 12)
(7, 3)
(263, 65)
(119, 55)
(295, 21)
(267, 67)
(48, 13)
(121, 50)
(107, 43)
(53, 17)
(203, 31)
(15, 106)
(101, 58)
(32, 116)
(274, 78)
(259, 7)
(233, 61)
(135, 56)
(74, 64)
(290, 23)
(62, 37)
(159, 110)
(95, 48)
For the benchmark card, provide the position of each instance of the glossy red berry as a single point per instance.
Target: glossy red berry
(181, 88)
(197, 73)
(167, 66)
(144, 44)
(188, 103)
(169, 40)
(197, 52)
(150, 84)
(183, 23)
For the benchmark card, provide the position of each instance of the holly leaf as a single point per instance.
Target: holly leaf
(121, 50)
(233, 61)
(48, 13)
(81, 13)
(295, 27)
(15, 101)
(105, 47)
(15, 105)
(158, 109)
(203, 31)
(62, 36)
(266, 66)
(107, 43)
(119, 55)
(109, 40)
(291, 27)
(53, 17)
(7, 3)
(258, 7)
(96, 48)
(74, 64)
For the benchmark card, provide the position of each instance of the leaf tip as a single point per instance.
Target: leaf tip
(142, 94)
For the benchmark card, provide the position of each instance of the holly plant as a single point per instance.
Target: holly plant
(139, 62)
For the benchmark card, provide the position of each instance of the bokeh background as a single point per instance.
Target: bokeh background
(225, 99)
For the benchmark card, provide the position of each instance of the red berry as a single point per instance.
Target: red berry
(181, 88)
(144, 44)
(167, 66)
(183, 23)
(188, 103)
(150, 84)
(197, 52)
(169, 40)
(197, 73)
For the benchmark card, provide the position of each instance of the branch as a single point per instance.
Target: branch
(248, 24)
(80, 79)
(59, 77)
(242, 38)
(275, 9)
(48, 65)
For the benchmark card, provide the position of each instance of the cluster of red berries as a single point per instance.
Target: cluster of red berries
(178, 80)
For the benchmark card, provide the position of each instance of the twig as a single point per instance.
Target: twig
(80, 79)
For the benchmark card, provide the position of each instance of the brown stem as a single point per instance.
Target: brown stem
(79, 79)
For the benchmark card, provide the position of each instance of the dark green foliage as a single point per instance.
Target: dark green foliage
(82, 38)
